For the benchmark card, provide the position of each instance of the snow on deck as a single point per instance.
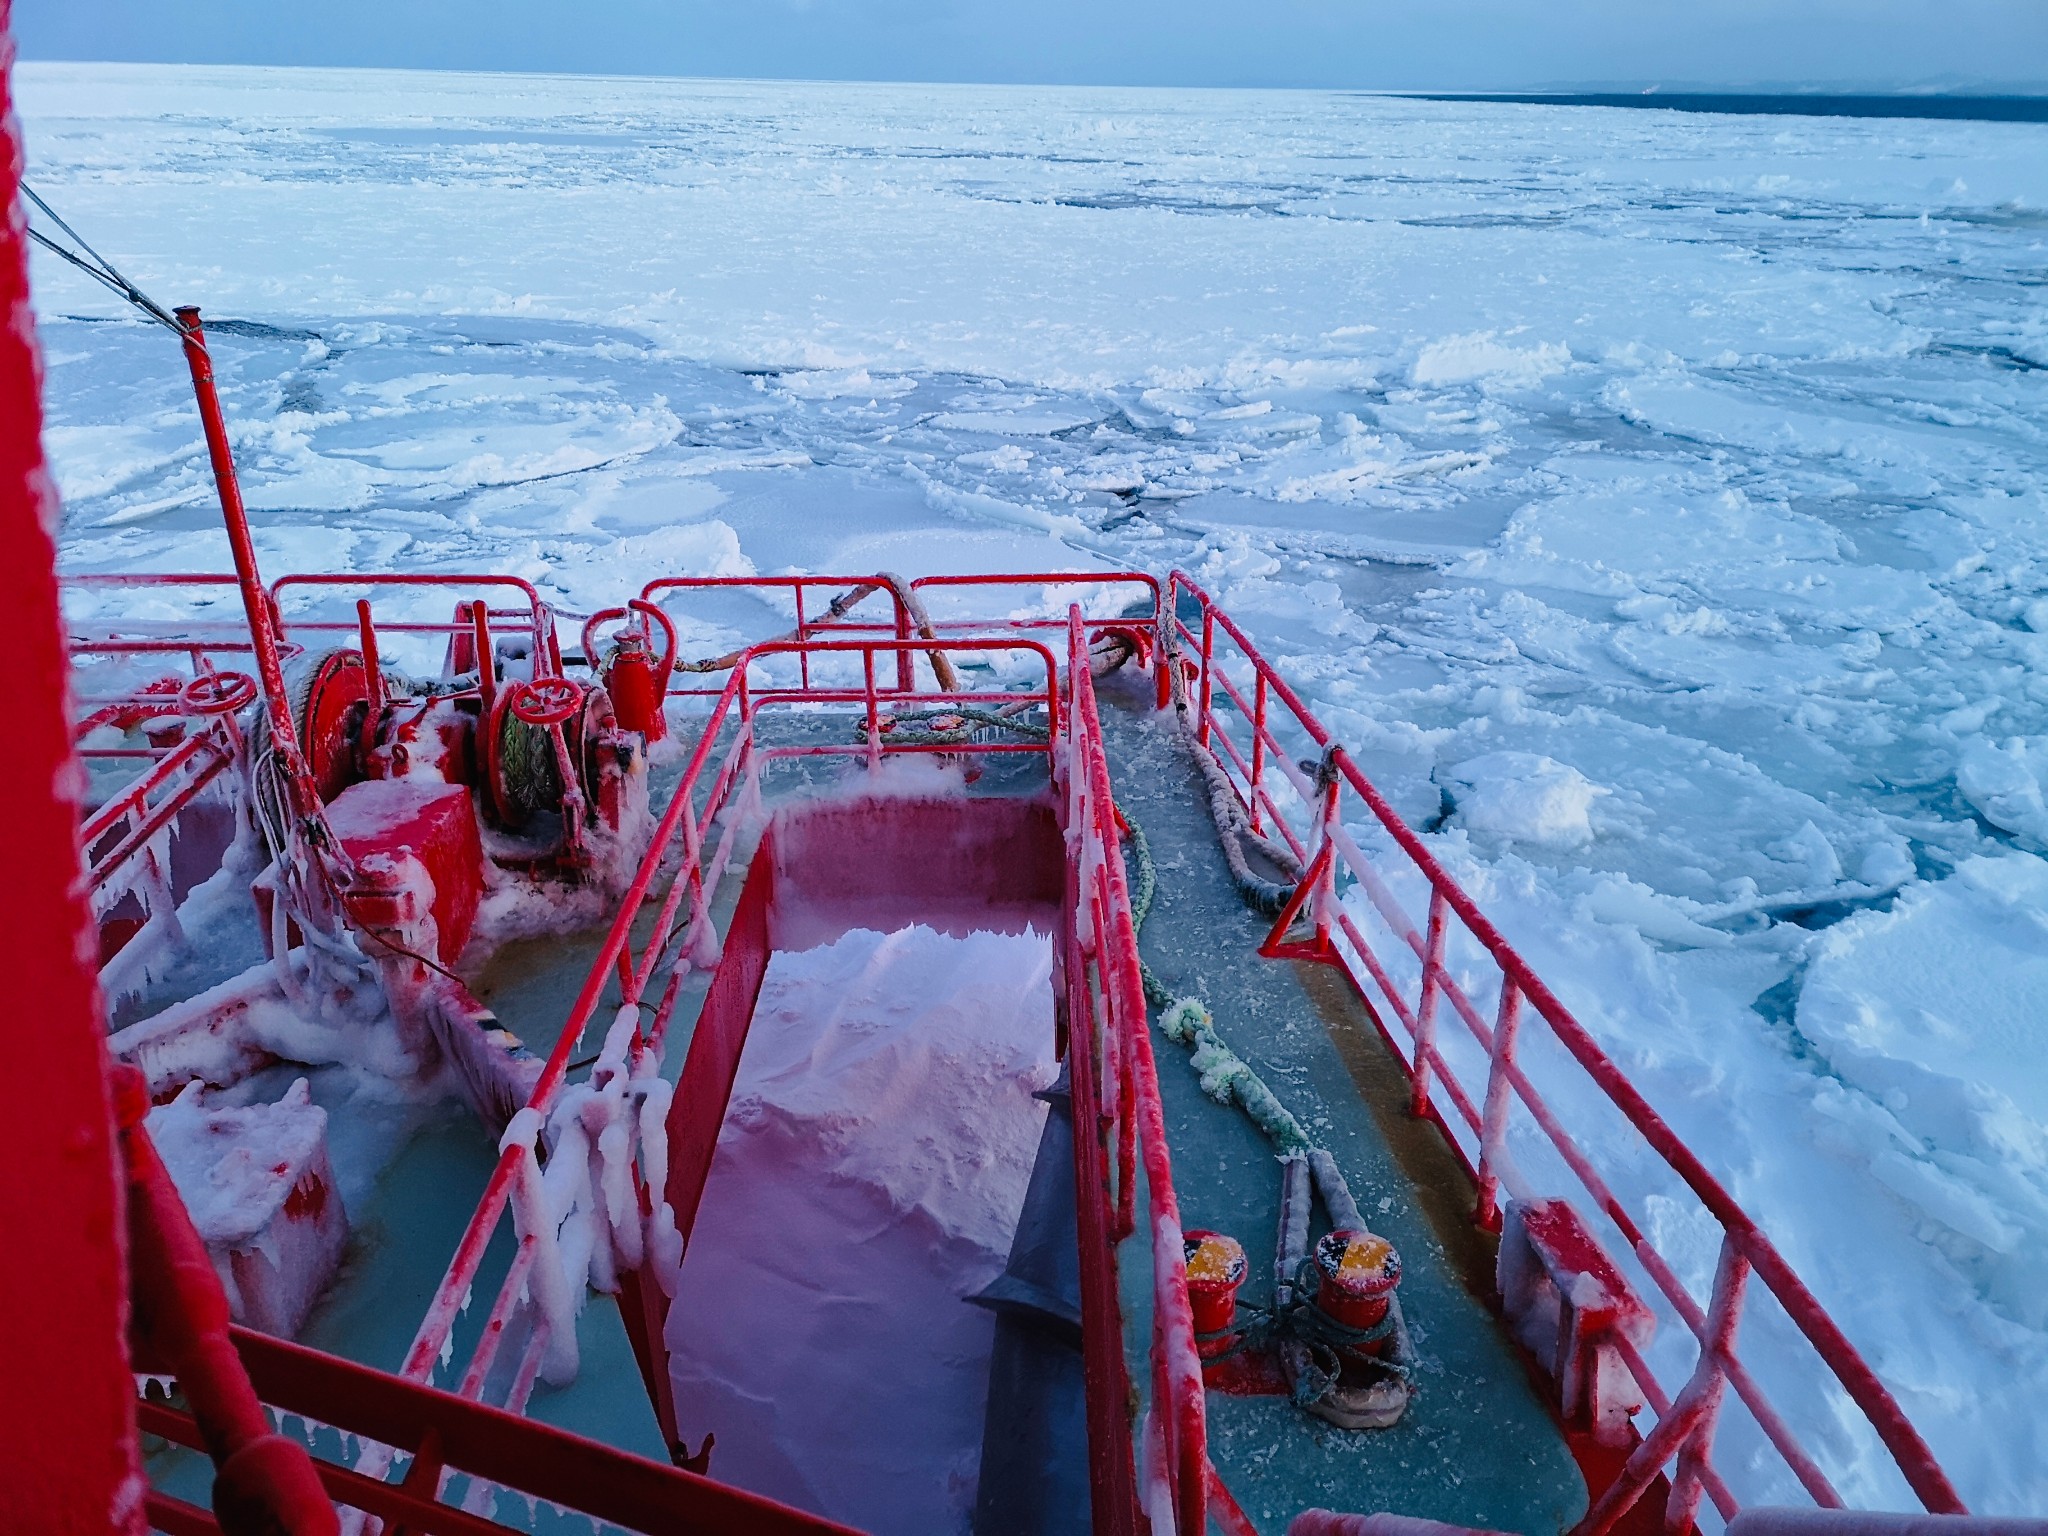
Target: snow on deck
(1654, 501)
(868, 1178)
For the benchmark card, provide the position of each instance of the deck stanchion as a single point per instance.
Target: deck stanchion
(1494, 1121)
(1425, 1007)
(1208, 661)
(1162, 653)
(906, 663)
(1328, 823)
(867, 662)
(1695, 1456)
(1258, 774)
(1687, 1430)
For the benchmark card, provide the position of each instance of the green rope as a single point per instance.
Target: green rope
(527, 763)
(1224, 1074)
(1326, 1344)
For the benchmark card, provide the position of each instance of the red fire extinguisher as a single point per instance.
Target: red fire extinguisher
(634, 676)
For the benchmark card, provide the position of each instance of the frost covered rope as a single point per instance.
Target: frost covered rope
(944, 726)
(1225, 1075)
(1233, 827)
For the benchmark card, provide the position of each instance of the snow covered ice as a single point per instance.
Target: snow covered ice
(1654, 501)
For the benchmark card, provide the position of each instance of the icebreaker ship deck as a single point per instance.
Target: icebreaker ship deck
(901, 762)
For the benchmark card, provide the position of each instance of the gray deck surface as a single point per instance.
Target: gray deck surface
(1477, 1448)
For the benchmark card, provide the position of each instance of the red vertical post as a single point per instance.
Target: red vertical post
(373, 676)
(906, 663)
(1425, 1006)
(867, 658)
(1163, 654)
(1686, 1428)
(68, 1459)
(1258, 750)
(1695, 1456)
(486, 658)
(1208, 660)
(803, 658)
(1324, 900)
(1494, 1124)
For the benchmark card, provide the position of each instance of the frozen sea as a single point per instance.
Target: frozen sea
(1655, 500)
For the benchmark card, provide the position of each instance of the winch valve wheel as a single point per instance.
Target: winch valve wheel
(545, 700)
(217, 693)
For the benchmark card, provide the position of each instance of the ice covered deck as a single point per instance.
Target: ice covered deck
(1477, 1447)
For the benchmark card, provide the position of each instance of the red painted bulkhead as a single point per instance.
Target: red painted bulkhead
(956, 863)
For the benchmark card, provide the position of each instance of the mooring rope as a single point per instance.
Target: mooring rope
(930, 727)
(1226, 1077)
(1233, 826)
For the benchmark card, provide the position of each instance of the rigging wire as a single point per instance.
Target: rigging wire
(96, 266)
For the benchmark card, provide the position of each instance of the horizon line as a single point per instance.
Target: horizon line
(2014, 90)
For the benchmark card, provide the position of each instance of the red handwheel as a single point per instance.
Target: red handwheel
(545, 700)
(216, 693)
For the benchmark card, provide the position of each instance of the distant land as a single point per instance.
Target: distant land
(1983, 109)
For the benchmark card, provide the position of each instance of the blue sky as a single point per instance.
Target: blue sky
(1399, 44)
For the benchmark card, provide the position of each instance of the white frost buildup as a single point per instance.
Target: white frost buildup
(234, 1167)
(1523, 797)
(867, 1179)
(261, 1191)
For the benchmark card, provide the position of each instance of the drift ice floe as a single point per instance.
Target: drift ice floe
(1390, 1277)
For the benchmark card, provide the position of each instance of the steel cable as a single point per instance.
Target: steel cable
(96, 266)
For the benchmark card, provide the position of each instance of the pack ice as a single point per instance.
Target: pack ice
(1653, 501)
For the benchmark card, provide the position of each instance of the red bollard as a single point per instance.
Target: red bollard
(1357, 1273)
(1216, 1268)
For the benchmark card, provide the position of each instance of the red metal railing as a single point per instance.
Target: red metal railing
(1117, 1106)
(533, 616)
(812, 597)
(159, 677)
(447, 1435)
(677, 849)
(1309, 814)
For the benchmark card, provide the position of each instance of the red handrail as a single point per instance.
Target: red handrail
(693, 882)
(1744, 1243)
(1178, 1409)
